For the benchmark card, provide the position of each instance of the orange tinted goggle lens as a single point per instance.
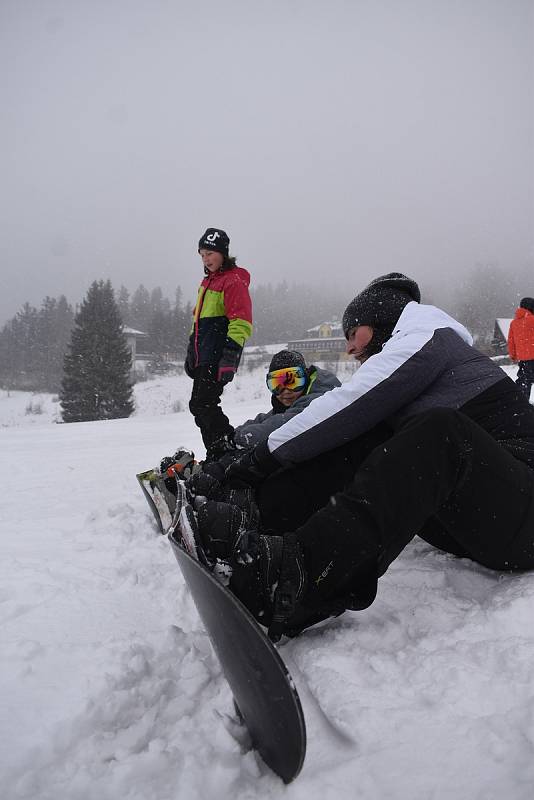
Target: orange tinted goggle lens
(293, 378)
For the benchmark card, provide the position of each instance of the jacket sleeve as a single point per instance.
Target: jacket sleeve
(511, 342)
(238, 306)
(250, 432)
(382, 386)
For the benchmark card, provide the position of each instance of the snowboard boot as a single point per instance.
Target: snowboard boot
(267, 572)
(208, 484)
(228, 532)
(273, 585)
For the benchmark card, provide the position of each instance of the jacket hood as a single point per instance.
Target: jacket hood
(236, 272)
(422, 317)
(523, 312)
(324, 380)
(243, 274)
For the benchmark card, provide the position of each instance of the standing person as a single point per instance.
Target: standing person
(428, 437)
(222, 322)
(293, 386)
(521, 344)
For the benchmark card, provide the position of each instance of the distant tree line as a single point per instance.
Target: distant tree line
(282, 312)
(486, 293)
(33, 344)
(166, 323)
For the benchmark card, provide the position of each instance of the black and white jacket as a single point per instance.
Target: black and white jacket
(428, 362)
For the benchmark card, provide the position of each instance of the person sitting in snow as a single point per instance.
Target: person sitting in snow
(428, 437)
(293, 386)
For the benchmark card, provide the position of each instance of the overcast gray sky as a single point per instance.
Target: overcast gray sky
(333, 139)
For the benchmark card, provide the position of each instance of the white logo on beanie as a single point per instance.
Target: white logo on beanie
(213, 236)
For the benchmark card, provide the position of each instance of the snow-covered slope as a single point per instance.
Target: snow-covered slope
(109, 685)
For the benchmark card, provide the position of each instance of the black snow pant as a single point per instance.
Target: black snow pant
(206, 409)
(525, 377)
(440, 475)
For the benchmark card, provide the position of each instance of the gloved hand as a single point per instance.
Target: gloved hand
(252, 468)
(228, 364)
(225, 374)
(202, 484)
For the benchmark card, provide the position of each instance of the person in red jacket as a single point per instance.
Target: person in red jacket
(521, 344)
(222, 322)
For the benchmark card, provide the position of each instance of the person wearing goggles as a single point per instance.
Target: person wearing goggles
(293, 386)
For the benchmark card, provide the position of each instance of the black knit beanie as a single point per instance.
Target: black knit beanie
(381, 303)
(287, 358)
(215, 239)
(528, 303)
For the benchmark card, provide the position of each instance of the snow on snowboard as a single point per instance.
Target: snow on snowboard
(263, 690)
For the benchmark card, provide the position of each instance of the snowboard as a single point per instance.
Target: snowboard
(162, 502)
(264, 693)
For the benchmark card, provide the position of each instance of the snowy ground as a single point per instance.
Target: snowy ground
(110, 688)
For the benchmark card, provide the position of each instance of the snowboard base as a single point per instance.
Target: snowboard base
(262, 687)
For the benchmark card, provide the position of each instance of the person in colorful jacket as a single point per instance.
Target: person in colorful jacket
(521, 344)
(222, 322)
(293, 386)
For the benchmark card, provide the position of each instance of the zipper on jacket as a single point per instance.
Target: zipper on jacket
(199, 306)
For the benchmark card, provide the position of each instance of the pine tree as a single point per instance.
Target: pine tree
(96, 380)
(140, 309)
(123, 304)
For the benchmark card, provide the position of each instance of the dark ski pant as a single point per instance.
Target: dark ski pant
(205, 406)
(525, 377)
(440, 475)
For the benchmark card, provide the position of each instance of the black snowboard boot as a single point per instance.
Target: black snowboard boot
(268, 573)
(228, 532)
(274, 586)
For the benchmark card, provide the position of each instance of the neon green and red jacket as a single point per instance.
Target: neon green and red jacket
(222, 320)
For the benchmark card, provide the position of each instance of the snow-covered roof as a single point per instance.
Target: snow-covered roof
(261, 349)
(334, 324)
(504, 325)
(132, 331)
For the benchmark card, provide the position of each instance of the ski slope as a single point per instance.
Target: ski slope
(110, 689)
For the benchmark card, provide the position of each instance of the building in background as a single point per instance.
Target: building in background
(134, 339)
(323, 342)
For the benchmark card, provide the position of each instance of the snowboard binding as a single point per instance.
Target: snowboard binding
(184, 531)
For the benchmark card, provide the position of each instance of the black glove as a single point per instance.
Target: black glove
(208, 481)
(228, 364)
(252, 468)
(188, 369)
(202, 484)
